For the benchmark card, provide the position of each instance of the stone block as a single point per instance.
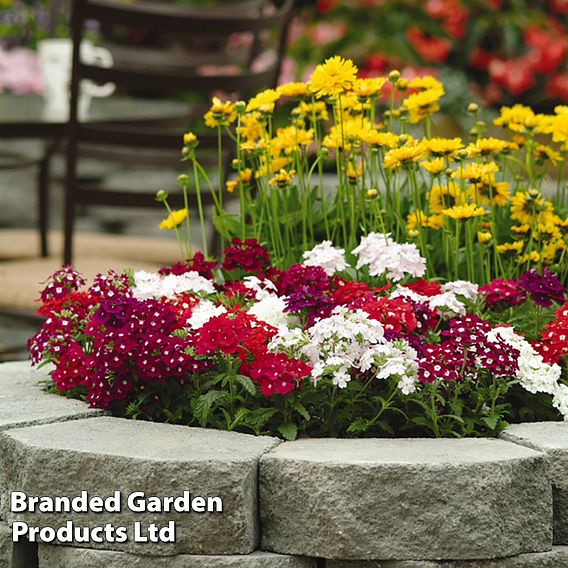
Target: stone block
(552, 439)
(23, 401)
(103, 455)
(555, 558)
(405, 499)
(70, 557)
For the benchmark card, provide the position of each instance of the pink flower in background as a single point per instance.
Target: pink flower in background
(20, 72)
(288, 71)
(327, 32)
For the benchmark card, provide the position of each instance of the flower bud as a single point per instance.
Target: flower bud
(186, 152)
(472, 108)
(533, 193)
(413, 233)
(189, 138)
(161, 195)
(240, 107)
(372, 194)
(394, 76)
(183, 179)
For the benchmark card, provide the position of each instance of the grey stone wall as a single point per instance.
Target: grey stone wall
(307, 504)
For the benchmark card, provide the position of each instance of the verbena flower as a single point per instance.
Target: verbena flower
(544, 289)
(331, 259)
(384, 257)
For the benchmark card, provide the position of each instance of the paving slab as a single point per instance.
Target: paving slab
(556, 558)
(105, 455)
(405, 499)
(552, 439)
(66, 557)
(24, 402)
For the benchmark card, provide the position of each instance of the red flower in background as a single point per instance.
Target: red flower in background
(325, 6)
(557, 87)
(453, 15)
(515, 75)
(431, 49)
(559, 6)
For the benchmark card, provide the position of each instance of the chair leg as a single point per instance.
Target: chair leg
(43, 201)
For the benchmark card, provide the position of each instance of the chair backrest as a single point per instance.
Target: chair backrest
(191, 51)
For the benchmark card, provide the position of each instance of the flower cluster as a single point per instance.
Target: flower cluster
(308, 349)
(399, 182)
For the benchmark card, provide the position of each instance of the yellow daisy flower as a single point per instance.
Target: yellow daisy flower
(443, 146)
(403, 156)
(313, 111)
(487, 146)
(507, 249)
(263, 102)
(282, 178)
(531, 207)
(445, 196)
(425, 83)
(423, 104)
(220, 114)
(464, 212)
(334, 77)
(434, 167)
(477, 173)
(294, 90)
(367, 88)
(174, 219)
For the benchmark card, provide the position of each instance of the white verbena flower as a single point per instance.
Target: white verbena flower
(534, 374)
(270, 309)
(203, 312)
(384, 257)
(147, 285)
(468, 290)
(446, 304)
(560, 400)
(150, 285)
(331, 259)
(261, 288)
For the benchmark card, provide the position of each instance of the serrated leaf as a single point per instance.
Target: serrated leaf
(301, 410)
(204, 403)
(289, 431)
(247, 383)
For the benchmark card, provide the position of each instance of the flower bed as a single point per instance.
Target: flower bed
(317, 320)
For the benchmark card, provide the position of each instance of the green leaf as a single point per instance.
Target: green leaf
(289, 431)
(301, 410)
(247, 383)
(358, 426)
(204, 403)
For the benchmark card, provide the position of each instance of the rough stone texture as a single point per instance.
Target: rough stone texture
(15, 555)
(68, 557)
(102, 455)
(556, 558)
(405, 499)
(551, 438)
(23, 402)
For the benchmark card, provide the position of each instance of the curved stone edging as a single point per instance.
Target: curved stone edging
(103, 455)
(552, 439)
(359, 503)
(23, 402)
(413, 499)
